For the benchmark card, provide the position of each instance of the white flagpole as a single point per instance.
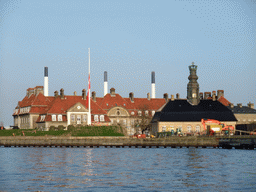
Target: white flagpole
(89, 92)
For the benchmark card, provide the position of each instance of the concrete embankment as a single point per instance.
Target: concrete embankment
(224, 142)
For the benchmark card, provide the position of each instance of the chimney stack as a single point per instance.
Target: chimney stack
(201, 95)
(177, 96)
(84, 94)
(74, 93)
(30, 91)
(105, 83)
(56, 94)
(220, 93)
(166, 97)
(94, 96)
(112, 92)
(250, 105)
(239, 105)
(172, 98)
(148, 96)
(62, 93)
(131, 96)
(46, 81)
(231, 105)
(207, 94)
(214, 95)
(153, 85)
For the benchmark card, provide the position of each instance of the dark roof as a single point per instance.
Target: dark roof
(181, 110)
(243, 109)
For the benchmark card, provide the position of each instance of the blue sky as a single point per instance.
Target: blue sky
(128, 39)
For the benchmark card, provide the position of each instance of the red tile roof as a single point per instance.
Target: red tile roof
(224, 101)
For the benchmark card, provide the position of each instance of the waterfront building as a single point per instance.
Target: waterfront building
(186, 114)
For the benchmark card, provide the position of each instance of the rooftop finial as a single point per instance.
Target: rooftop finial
(193, 63)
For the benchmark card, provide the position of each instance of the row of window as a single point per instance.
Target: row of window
(55, 119)
(246, 120)
(146, 113)
(22, 110)
(23, 120)
(189, 128)
(96, 118)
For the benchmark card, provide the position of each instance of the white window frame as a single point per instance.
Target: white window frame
(189, 129)
(53, 117)
(42, 118)
(84, 118)
(198, 128)
(146, 112)
(102, 118)
(96, 118)
(124, 122)
(78, 119)
(153, 113)
(72, 118)
(139, 113)
(59, 117)
(163, 128)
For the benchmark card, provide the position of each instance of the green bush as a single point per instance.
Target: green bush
(61, 128)
(52, 128)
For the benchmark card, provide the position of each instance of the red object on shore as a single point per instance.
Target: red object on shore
(140, 136)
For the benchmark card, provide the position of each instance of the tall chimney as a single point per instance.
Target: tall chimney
(231, 105)
(84, 94)
(250, 105)
(105, 83)
(148, 96)
(62, 93)
(220, 93)
(46, 81)
(153, 85)
(166, 97)
(112, 92)
(131, 96)
(56, 94)
(177, 96)
(172, 98)
(94, 96)
(201, 95)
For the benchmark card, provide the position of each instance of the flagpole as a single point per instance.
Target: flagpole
(89, 93)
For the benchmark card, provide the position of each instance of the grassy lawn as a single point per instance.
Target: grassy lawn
(77, 132)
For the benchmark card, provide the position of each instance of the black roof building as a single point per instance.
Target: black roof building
(242, 110)
(182, 110)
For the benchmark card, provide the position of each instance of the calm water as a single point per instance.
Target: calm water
(127, 169)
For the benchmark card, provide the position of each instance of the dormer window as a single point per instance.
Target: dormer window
(153, 113)
(96, 118)
(132, 113)
(42, 118)
(102, 118)
(139, 113)
(53, 117)
(146, 112)
(59, 117)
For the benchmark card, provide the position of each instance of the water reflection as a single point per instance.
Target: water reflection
(47, 169)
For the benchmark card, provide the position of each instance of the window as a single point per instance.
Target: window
(96, 118)
(197, 128)
(111, 121)
(84, 118)
(132, 113)
(53, 117)
(59, 117)
(73, 118)
(78, 119)
(132, 122)
(163, 128)
(124, 121)
(146, 112)
(153, 113)
(102, 118)
(189, 129)
(118, 113)
(139, 113)
(42, 118)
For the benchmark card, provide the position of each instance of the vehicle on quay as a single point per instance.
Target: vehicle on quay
(214, 127)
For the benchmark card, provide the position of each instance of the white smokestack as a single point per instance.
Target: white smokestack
(45, 81)
(105, 83)
(153, 85)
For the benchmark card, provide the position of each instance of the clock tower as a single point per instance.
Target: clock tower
(193, 86)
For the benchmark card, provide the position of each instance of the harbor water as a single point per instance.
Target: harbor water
(127, 169)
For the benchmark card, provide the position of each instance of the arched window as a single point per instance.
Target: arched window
(189, 129)
(59, 117)
(197, 128)
(53, 117)
(96, 118)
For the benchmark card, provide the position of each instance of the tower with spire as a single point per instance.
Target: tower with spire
(193, 86)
